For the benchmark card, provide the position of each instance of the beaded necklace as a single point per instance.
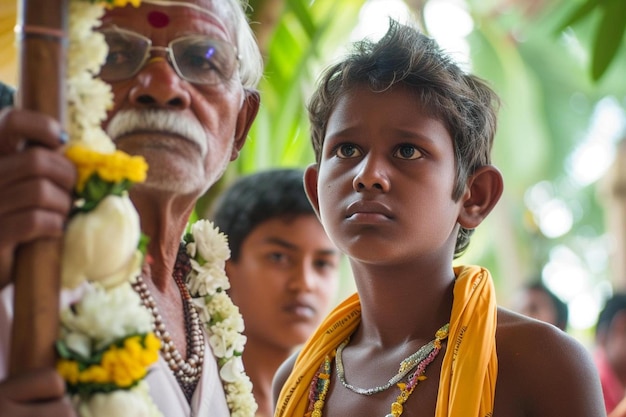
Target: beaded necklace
(406, 366)
(187, 372)
(321, 381)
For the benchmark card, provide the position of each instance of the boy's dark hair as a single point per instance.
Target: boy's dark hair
(405, 56)
(257, 198)
(562, 311)
(612, 306)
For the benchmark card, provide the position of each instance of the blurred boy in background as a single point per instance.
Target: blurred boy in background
(283, 269)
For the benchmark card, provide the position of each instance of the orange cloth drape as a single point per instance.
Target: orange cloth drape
(470, 365)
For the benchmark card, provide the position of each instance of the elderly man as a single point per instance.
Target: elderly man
(187, 124)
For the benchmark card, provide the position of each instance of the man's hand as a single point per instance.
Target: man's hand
(35, 394)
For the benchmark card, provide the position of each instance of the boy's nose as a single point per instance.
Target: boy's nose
(302, 278)
(371, 175)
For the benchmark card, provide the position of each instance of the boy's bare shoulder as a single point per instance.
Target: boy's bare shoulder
(543, 370)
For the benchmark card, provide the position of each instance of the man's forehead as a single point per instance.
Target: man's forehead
(159, 13)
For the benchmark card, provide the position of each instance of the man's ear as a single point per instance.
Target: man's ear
(310, 187)
(247, 114)
(482, 192)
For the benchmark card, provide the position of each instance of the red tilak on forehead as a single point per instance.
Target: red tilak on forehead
(158, 19)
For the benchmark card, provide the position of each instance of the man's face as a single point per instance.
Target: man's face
(196, 129)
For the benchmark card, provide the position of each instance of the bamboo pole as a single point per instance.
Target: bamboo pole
(42, 25)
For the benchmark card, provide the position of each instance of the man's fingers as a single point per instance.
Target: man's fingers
(24, 127)
(33, 386)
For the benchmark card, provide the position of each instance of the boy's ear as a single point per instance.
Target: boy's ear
(310, 187)
(482, 192)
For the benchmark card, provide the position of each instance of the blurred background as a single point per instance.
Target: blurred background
(559, 67)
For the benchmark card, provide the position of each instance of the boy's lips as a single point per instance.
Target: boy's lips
(300, 309)
(368, 208)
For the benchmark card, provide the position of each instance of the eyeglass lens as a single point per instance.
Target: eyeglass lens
(197, 58)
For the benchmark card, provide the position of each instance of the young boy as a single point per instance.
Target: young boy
(283, 270)
(403, 176)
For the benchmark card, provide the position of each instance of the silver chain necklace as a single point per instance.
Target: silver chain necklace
(405, 367)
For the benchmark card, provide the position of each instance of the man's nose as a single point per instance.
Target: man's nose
(157, 85)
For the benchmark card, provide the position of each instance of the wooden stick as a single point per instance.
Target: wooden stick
(42, 25)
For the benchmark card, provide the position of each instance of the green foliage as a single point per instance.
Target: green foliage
(609, 32)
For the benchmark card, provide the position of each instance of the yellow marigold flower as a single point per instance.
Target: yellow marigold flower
(68, 370)
(111, 167)
(151, 353)
(112, 363)
(121, 3)
(133, 347)
(95, 373)
(124, 371)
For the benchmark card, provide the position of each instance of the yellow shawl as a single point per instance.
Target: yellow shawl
(470, 365)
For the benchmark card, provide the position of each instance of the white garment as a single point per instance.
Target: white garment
(208, 400)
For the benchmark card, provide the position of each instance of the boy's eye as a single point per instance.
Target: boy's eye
(325, 265)
(277, 257)
(407, 152)
(348, 150)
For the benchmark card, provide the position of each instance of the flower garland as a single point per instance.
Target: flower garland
(106, 344)
(207, 282)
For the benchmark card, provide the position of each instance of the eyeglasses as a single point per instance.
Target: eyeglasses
(195, 58)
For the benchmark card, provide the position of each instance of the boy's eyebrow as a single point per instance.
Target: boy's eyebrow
(407, 133)
(288, 245)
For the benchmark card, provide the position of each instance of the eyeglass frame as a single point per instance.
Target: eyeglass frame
(169, 54)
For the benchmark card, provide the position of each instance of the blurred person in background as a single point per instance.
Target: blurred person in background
(283, 269)
(537, 301)
(610, 353)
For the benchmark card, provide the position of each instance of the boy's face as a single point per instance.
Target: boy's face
(538, 305)
(285, 280)
(385, 179)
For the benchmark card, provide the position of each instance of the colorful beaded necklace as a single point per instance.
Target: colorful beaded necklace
(321, 382)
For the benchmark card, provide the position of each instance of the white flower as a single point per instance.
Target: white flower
(207, 282)
(105, 316)
(135, 402)
(211, 244)
(78, 342)
(101, 245)
(232, 369)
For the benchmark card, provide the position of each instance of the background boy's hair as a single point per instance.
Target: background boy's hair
(562, 311)
(405, 56)
(257, 198)
(612, 307)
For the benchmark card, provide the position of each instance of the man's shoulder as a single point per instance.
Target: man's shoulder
(6, 95)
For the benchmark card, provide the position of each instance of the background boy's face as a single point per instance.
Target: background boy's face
(386, 173)
(285, 279)
(538, 305)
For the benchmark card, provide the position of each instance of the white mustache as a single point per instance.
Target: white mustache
(161, 121)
